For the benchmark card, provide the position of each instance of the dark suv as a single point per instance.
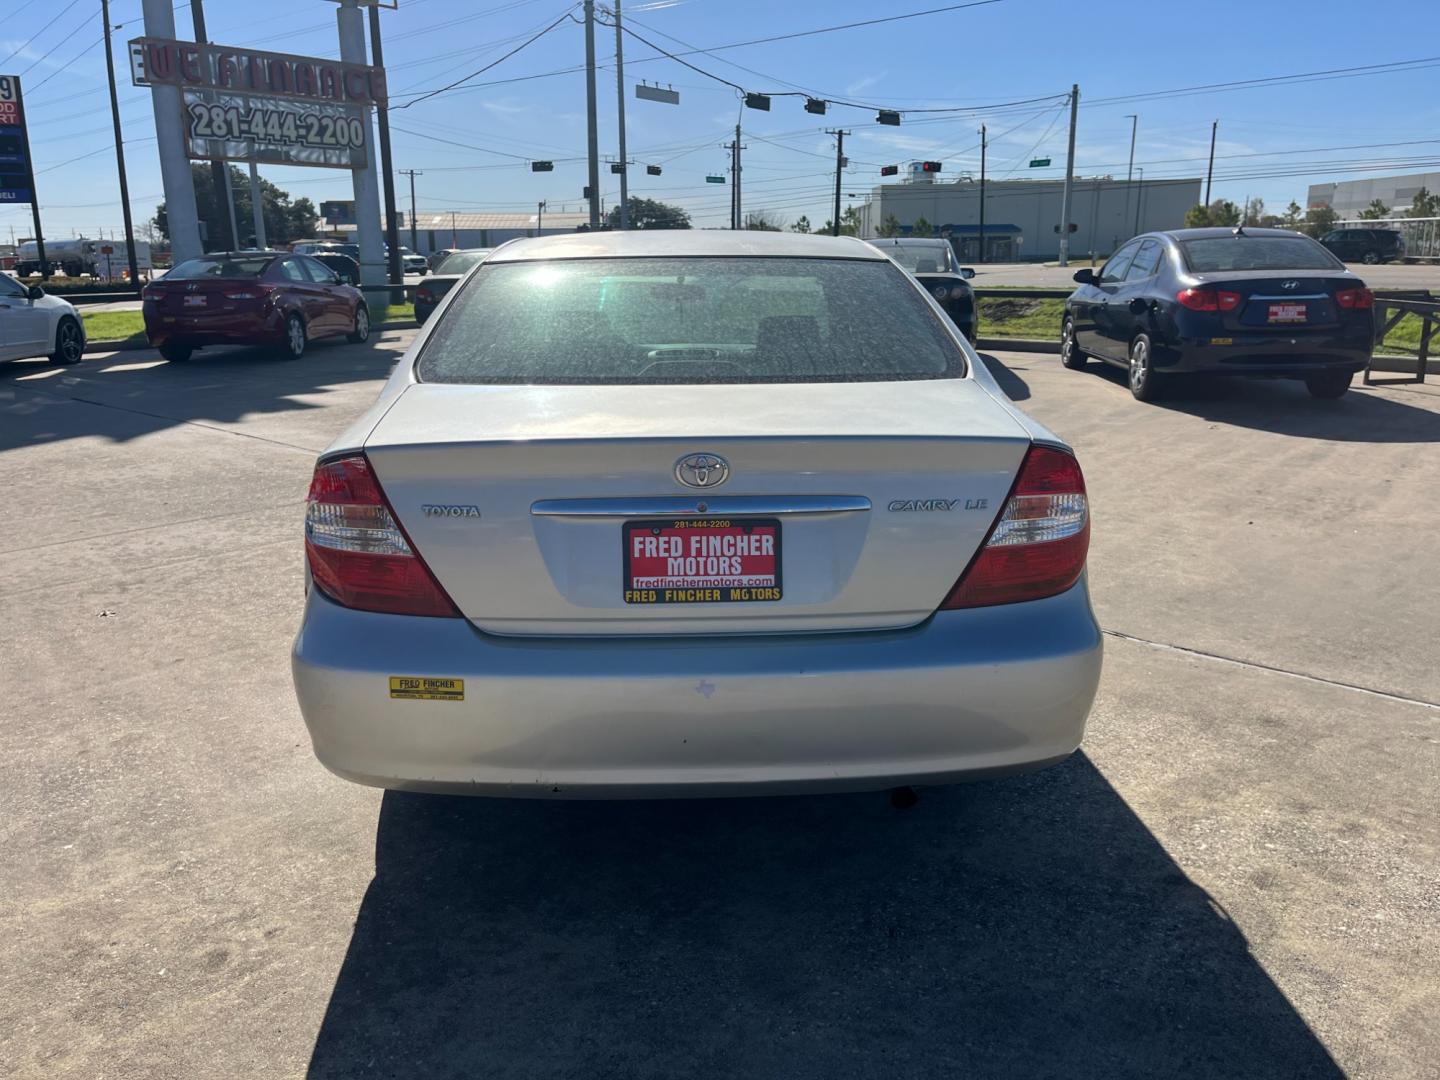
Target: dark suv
(1369, 246)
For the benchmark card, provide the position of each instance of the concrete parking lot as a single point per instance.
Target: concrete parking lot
(1238, 875)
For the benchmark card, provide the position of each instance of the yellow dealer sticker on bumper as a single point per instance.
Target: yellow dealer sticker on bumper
(420, 688)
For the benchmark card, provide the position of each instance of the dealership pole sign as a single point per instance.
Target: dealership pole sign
(17, 182)
(247, 105)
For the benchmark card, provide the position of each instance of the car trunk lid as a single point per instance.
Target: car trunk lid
(534, 505)
(1272, 302)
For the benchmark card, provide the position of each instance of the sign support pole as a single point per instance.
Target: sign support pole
(219, 170)
(351, 25)
(181, 214)
(257, 208)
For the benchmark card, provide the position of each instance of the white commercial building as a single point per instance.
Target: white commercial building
(1348, 197)
(1022, 217)
(435, 232)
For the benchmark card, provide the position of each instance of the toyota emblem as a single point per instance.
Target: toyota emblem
(702, 470)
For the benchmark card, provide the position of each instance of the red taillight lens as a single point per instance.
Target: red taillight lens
(359, 556)
(152, 293)
(1199, 299)
(1037, 546)
(1228, 301)
(248, 292)
(1355, 299)
(424, 294)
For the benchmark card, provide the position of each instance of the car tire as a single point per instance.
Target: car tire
(1070, 354)
(176, 354)
(1370, 258)
(293, 347)
(1140, 373)
(1328, 385)
(361, 333)
(69, 342)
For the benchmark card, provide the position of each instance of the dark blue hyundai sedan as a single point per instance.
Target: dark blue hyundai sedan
(1228, 301)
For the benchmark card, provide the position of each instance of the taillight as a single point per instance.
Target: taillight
(152, 293)
(1355, 299)
(1037, 546)
(1209, 299)
(423, 293)
(248, 292)
(359, 556)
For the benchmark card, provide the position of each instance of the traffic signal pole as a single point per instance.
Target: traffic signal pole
(839, 168)
(590, 120)
(1069, 178)
(982, 191)
(620, 103)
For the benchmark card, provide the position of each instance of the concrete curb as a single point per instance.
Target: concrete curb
(128, 344)
(1401, 364)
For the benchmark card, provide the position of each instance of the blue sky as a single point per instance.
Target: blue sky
(981, 58)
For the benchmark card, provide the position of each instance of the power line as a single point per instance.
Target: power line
(42, 30)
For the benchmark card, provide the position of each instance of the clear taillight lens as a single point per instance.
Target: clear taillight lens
(1038, 544)
(358, 554)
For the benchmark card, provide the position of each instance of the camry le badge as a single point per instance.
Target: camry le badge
(702, 470)
(906, 506)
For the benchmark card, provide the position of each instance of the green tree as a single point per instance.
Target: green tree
(801, 225)
(1197, 217)
(849, 222)
(1320, 220)
(1424, 204)
(284, 221)
(650, 214)
(922, 227)
(763, 221)
(1254, 211)
(1293, 215)
(1225, 212)
(889, 227)
(1375, 211)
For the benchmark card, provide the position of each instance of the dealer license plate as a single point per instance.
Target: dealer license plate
(1288, 313)
(701, 560)
(194, 301)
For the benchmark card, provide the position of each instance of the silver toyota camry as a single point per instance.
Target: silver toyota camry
(693, 513)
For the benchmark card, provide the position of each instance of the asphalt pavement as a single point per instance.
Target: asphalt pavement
(1235, 877)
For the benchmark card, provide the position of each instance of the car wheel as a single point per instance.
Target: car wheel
(361, 333)
(1370, 258)
(293, 346)
(1328, 384)
(69, 342)
(1070, 354)
(176, 354)
(1144, 383)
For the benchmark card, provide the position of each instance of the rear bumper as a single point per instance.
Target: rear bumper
(1264, 355)
(966, 695)
(244, 329)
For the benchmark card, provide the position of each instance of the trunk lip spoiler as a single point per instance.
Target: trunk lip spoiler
(668, 505)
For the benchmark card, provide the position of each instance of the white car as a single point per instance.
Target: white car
(35, 324)
(414, 264)
(683, 512)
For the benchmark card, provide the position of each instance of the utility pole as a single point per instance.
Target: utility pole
(839, 167)
(1139, 199)
(1210, 170)
(454, 242)
(411, 173)
(257, 208)
(119, 149)
(387, 168)
(983, 138)
(594, 135)
(540, 218)
(620, 96)
(1130, 169)
(1069, 178)
(739, 212)
(219, 170)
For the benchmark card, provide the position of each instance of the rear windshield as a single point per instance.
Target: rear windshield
(460, 261)
(688, 320)
(920, 258)
(213, 266)
(1224, 253)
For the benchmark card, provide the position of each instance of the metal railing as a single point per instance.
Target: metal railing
(1390, 308)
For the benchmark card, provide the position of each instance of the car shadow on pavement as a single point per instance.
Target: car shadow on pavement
(1026, 927)
(1285, 407)
(124, 395)
(1016, 388)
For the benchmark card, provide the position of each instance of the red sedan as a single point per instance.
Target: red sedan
(251, 298)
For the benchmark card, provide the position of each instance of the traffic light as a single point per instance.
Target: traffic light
(888, 116)
(617, 167)
(1073, 228)
(585, 194)
(815, 105)
(930, 166)
(652, 170)
(758, 101)
(542, 166)
(889, 170)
